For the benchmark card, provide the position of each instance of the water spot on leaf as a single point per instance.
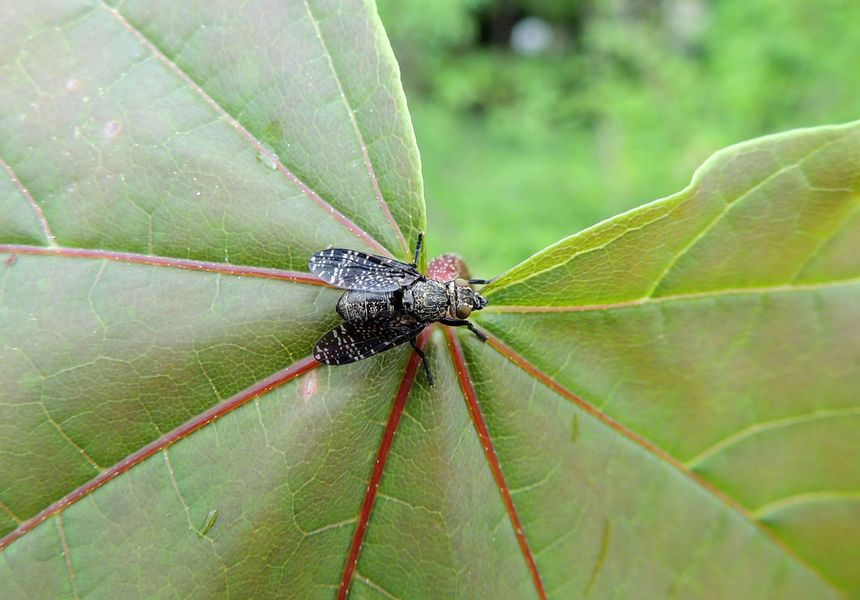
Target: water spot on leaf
(112, 129)
(73, 85)
(309, 386)
(270, 159)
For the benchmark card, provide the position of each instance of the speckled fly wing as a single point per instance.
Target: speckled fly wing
(351, 341)
(354, 270)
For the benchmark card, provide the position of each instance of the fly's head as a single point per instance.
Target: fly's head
(462, 299)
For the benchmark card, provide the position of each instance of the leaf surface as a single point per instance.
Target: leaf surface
(666, 406)
(720, 326)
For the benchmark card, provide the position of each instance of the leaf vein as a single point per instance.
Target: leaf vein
(770, 508)
(28, 197)
(785, 288)
(168, 261)
(730, 503)
(849, 217)
(479, 422)
(263, 386)
(765, 426)
(165, 453)
(350, 112)
(6, 509)
(66, 554)
(375, 586)
(733, 203)
(242, 130)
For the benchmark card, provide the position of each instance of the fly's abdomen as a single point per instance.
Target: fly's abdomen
(357, 305)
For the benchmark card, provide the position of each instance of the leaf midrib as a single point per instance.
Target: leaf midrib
(302, 366)
(725, 500)
(692, 296)
(152, 260)
(233, 122)
(386, 211)
(681, 198)
(257, 389)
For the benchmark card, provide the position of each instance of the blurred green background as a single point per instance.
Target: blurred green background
(538, 118)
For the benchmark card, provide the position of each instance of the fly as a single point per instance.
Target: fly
(387, 303)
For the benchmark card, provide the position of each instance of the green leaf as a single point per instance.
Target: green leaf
(720, 326)
(666, 406)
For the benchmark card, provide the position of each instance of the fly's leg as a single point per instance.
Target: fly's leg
(479, 281)
(420, 352)
(465, 323)
(418, 248)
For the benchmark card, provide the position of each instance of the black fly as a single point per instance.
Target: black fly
(388, 302)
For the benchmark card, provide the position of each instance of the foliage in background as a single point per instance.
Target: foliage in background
(622, 107)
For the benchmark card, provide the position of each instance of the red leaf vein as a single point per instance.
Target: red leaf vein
(261, 387)
(233, 122)
(492, 458)
(351, 114)
(729, 502)
(379, 466)
(166, 261)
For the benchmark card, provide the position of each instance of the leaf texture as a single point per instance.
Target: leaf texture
(666, 406)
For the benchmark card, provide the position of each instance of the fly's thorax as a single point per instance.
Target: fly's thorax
(427, 300)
